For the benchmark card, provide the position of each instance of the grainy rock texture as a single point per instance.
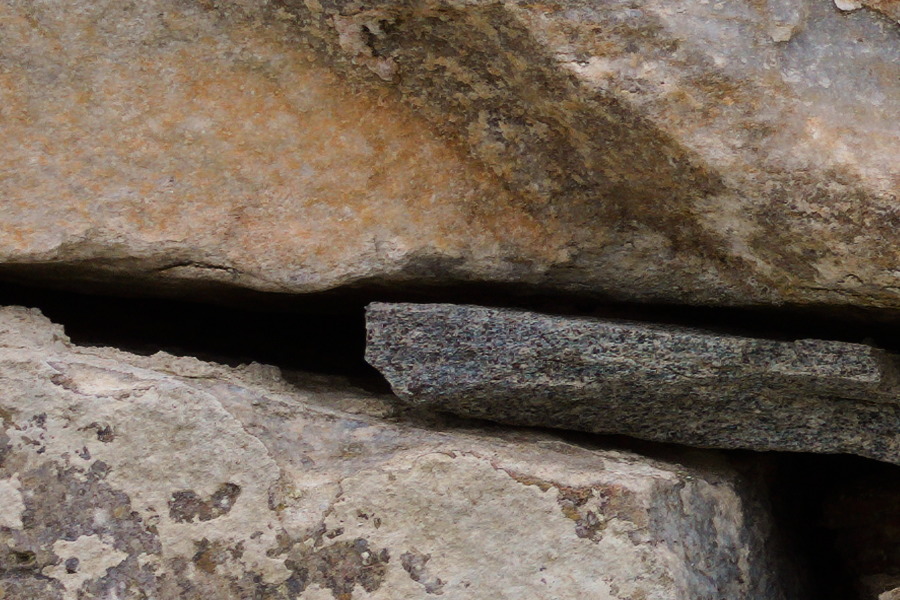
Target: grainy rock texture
(665, 384)
(706, 152)
(129, 477)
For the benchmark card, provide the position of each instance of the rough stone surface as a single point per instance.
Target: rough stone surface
(893, 594)
(706, 152)
(665, 384)
(129, 477)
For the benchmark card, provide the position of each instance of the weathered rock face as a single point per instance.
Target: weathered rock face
(658, 383)
(132, 477)
(736, 153)
(172, 140)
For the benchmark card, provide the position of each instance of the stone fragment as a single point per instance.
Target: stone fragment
(659, 383)
(893, 594)
(848, 5)
(232, 483)
(704, 152)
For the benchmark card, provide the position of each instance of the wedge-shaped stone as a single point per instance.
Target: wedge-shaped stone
(658, 383)
(160, 477)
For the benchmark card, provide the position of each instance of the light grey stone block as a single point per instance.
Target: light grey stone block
(129, 477)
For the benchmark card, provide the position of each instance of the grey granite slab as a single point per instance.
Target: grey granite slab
(655, 382)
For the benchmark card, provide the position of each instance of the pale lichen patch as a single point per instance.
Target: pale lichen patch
(85, 558)
(11, 504)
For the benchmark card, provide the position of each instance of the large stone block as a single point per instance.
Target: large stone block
(660, 383)
(133, 477)
(718, 153)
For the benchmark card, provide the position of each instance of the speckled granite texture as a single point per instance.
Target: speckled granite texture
(653, 382)
(135, 477)
(739, 152)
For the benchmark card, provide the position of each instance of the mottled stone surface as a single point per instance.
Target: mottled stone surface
(890, 8)
(706, 152)
(665, 384)
(129, 477)
(196, 141)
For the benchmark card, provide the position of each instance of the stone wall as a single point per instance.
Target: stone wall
(632, 272)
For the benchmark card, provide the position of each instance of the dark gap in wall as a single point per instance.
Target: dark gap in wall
(841, 517)
(308, 340)
(790, 322)
(325, 332)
